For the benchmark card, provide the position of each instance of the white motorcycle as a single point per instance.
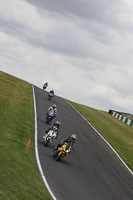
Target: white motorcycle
(50, 136)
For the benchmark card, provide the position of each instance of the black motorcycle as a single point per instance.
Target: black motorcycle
(50, 95)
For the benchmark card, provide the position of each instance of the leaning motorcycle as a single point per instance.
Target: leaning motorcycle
(50, 136)
(49, 116)
(62, 151)
(50, 95)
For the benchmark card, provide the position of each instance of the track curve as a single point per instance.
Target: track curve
(92, 171)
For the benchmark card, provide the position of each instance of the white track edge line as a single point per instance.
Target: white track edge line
(36, 149)
(102, 138)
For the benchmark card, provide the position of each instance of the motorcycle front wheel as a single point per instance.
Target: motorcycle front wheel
(59, 156)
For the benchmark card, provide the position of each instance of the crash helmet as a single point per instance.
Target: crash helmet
(54, 106)
(58, 124)
(73, 137)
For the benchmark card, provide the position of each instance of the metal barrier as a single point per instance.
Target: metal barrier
(119, 116)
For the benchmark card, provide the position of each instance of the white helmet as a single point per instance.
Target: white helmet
(74, 137)
(54, 106)
(58, 124)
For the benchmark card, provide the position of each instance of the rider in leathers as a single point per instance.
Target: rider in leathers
(70, 140)
(57, 125)
(53, 108)
(45, 86)
(52, 91)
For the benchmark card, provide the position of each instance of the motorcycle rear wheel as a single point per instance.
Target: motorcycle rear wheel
(49, 98)
(48, 120)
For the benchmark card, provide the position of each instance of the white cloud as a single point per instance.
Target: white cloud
(102, 92)
(84, 52)
(126, 103)
(110, 95)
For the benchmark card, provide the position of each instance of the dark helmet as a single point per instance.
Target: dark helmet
(73, 137)
(54, 106)
(58, 124)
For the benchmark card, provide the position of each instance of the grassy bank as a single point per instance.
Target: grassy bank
(18, 170)
(19, 175)
(117, 133)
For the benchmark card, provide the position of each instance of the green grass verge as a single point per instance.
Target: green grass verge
(117, 133)
(19, 175)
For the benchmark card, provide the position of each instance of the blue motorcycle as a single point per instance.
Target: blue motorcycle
(49, 116)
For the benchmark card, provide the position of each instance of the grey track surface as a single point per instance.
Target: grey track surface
(92, 171)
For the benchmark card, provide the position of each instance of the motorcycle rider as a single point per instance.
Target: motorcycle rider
(50, 94)
(56, 125)
(53, 108)
(45, 85)
(52, 91)
(70, 140)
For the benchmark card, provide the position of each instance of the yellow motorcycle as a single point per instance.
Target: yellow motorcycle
(62, 151)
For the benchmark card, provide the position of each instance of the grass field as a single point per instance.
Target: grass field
(117, 133)
(19, 176)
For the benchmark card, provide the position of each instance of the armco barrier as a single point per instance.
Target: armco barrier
(119, 116)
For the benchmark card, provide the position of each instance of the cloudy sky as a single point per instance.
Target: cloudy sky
(82, 48)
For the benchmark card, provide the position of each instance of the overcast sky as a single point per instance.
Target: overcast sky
(82, 48)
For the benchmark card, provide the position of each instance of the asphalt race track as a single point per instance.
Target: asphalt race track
(92, 171)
